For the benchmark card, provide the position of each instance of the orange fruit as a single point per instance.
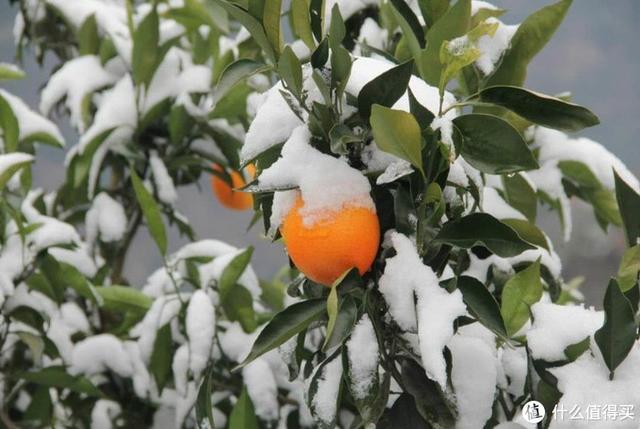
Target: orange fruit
(339, 241)
(227, 195)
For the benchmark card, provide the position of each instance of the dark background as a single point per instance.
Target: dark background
(594, 55)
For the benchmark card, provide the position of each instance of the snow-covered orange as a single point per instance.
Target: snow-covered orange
(227, 195)
(340, 240)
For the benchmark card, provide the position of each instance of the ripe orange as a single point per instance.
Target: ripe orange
(342, 240)
(226, 194)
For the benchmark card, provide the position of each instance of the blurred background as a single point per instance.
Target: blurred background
(594, 55)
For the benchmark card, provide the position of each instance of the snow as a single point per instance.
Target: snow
(555, 327)
(496, 206)
(514, 366)
(347, 8)
(117, 108)
(235, 343)
(492, 47)
(363, 356)
(477, 5)
(200, 325)
(10, 160)
(436, 310)
(141, 377)
(305, 167)
(162, 180)
(585, 384)
(212, 272)
(162, 311)
(176, 75)
(473, 376)
(263, 391)
(373, 35)
(78, 258)
(556, 146)
(445, 125)
(325, 401)
(180, 368)
(273, 124)
(100, 353)
(106, 219)
(65, 83)
(29, 122)
(103, 414)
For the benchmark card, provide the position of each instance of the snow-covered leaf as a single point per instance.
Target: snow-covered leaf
(10, 72)
(11, 163)
(454, 23)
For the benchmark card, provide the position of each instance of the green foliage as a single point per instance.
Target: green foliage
(151, 212)
(519, 294)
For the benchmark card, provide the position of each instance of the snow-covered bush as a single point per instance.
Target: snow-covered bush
(414, 111)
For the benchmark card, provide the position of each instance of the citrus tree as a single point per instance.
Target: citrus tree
(393, 150)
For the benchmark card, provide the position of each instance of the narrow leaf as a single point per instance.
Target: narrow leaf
(151, 212)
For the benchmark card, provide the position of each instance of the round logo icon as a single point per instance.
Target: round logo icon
(533, 412)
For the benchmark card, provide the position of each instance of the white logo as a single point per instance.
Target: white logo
(533, 412)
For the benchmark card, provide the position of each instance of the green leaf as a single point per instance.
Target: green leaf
(316, 16)
(243, 415)
(88, 37)
(204, 407)
(151, 212)
(385, 89)
(629, 267)
(290, 71)
(532, 35)
(62, 275)
(56, 376)
(144, 56)
(482, 229)
(452, 24)
(271, 22)
(9, 126)
(301, 21)
(459, 53)
(10, 72)
(492, 145)
(332, 310)
(161, 356)
(528, 231)
(618, 334)
(320, 56)
(337, 29)
(284, 325)
(520, 195)
(235, 299)
(180, 124)
(7, 173)
(539, 108)
(433, 10)
(124, 298)
(411, 29)
(345, 320)
(397, 133)
(252, 25)
(574, 351)
(629, 204)
(481, 304)
(519, 294)
(423, 115)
